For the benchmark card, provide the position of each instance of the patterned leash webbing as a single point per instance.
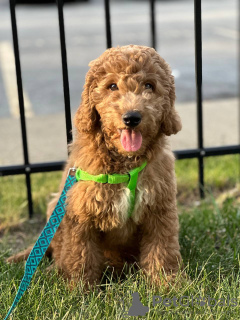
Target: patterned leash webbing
(43, 242)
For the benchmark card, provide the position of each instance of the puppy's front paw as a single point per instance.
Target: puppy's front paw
(83, 284)
(170, 280)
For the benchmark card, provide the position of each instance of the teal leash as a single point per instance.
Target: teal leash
(43, 241)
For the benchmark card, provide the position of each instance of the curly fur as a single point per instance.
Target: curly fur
(96, 230)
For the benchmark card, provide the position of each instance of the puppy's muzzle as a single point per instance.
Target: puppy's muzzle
(132, 118)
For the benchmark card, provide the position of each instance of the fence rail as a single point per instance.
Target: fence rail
(200, 152)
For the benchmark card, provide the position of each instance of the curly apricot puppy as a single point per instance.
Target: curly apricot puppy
(127, 110)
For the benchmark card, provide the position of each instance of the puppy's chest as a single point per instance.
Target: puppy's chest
(126, 207)
(119, 200)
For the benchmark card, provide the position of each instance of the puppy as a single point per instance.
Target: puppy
(126, 113)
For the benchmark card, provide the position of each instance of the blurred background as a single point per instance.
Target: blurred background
(85, 36)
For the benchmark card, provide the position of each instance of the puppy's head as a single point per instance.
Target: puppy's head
(129, 98)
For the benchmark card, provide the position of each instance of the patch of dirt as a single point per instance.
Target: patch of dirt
(17, 237)
(186, 197)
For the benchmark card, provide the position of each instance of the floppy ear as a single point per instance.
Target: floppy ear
(86, 117)
(171, 122)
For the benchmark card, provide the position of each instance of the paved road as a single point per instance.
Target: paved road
(85, 33)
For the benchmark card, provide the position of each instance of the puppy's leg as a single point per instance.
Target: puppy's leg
(81, 255)
(21, 256)
(159, 250)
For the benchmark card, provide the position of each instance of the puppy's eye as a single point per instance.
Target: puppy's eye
(113, 87)
(148, 86)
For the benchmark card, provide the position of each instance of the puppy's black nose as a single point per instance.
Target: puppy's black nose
(132, 118)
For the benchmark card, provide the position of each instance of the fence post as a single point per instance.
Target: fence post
(153, 23)
(198, 66)
(65, 72)
(108, 24)
(21, 105)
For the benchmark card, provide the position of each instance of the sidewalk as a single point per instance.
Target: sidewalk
(47, 138)
(220, 124)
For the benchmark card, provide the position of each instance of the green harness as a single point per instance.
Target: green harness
(116, 178)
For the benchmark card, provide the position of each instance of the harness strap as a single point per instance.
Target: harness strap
(116, 178)
(102, 178)
(132, 186)
(43, 242)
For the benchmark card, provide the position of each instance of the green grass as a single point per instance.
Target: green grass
(210, 247)
(221, 173)
(13, 204)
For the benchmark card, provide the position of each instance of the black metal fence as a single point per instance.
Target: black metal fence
(200, 152)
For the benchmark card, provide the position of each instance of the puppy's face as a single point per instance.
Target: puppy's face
(131, 96)
(129, 106)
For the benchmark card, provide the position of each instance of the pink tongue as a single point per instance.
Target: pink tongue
(131, 140)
